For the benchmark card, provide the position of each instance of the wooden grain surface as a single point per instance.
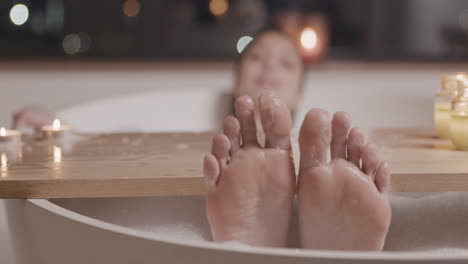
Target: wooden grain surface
(106, 165)
(113, 165)
(420, 162)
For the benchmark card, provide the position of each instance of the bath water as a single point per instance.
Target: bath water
(442, 119)
(459, 130)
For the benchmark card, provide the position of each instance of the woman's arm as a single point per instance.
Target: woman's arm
(32, 117)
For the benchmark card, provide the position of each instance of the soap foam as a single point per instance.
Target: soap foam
(434, 223)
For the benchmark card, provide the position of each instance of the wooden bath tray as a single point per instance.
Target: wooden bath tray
(420, 162)
(107, 165)
(113, 165)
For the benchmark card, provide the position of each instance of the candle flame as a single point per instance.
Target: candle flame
(57, 154)
(56, 125)
(309, 38)
(2, 132)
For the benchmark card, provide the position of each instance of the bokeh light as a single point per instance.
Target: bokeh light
(76, 43)
(131, 8)
(19, 14)
(219, 7)
(243, 42)
(309, 38)
(71, 44)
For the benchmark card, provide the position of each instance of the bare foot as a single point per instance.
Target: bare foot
(251, 187)
(343, 205)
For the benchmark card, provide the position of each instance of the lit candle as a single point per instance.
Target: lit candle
(7, 135)
(313, 38)
(56, 130)
(309, 39)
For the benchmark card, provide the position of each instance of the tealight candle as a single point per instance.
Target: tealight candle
(56, 130)
(7, 135)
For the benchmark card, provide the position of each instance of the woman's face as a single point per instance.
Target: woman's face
(271, 63)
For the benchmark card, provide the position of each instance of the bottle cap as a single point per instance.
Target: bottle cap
(462, 89)
(448, 81)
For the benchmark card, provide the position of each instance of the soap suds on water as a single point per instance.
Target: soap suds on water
(429, 223)
(182, 231)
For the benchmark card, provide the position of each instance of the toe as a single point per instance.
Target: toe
(231, 129)
(220, 149)
(276, 122)
(314, 138)
(341, 124)
(382, 177)
(245, 112)
(370, 160)
(355, 142)
(210, 170)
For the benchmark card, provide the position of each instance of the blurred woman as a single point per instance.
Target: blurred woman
(270, 63)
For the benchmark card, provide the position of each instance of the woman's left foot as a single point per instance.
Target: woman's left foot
(343, 205)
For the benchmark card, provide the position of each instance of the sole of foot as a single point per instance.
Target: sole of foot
(251, 188)
(343, 204)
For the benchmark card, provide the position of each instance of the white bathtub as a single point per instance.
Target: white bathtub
(429, 228)
(174, 230)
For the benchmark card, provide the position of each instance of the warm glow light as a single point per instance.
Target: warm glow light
(219, 7)
(309, 38)
(460, 76)
(131, 8)
(76, 43)
(19, 14)
(57, 154)
(4, 164)
(2, 132)
(71, 44)
(243, 42)
(56, 125)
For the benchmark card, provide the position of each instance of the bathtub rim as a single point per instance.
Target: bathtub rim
(208, 245)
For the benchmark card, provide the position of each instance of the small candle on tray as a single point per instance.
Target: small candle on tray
(56, 130)
(7, 135)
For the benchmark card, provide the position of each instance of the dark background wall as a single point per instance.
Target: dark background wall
(188, 30)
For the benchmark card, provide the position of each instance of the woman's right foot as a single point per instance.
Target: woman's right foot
(251, 187)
